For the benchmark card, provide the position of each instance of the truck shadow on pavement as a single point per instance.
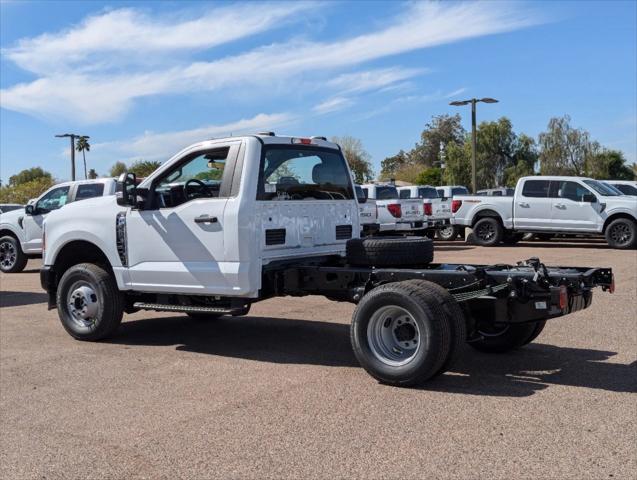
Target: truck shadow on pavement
(18, 299)
(295, 341)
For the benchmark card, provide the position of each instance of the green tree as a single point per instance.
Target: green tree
(565, 150)
(357, 158)
(83, 146)
(430, 176)
(92, 174)
(497, 145)
(143, 168)
(29, 175)
(25, 191)
(390, 165)
(441, 130)
(458, 164)
(610, 165)
(117, 169)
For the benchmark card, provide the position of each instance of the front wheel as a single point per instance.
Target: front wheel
(487, 232)
(621, 234)
(400, 334)
(90, 306)
(12, 258)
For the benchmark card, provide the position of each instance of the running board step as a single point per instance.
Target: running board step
(160, 307)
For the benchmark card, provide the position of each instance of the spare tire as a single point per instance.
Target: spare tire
(389, 251)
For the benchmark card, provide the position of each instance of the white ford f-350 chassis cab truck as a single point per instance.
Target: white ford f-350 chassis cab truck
(21, 229)
(549, 205)
(229, 222)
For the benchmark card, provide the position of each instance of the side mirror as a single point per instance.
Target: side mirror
(589, 197)
(361, 197)
(126, 190)
(29, 209)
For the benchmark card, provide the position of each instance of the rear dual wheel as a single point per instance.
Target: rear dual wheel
(405, 333)
(502, 338)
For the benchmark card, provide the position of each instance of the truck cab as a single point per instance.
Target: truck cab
(21, 230)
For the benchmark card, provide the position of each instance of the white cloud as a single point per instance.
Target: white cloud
(97, 93)
(162, 145)
(332, 105)
(131, 32)
(382, 78)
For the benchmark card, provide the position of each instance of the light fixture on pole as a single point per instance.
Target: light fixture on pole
(72, 136)
(473, 102)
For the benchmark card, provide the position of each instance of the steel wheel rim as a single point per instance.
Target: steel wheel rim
(8, 255)
(486, 231)
(621, 233)
(393, 336)
(82, 303)
(446, 232)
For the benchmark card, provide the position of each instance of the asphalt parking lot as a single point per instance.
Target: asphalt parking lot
(278, 394)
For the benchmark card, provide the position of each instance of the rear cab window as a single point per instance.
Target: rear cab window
(427, 192)
(406, 193)
(459, 191)
(303, 173)
(536, 188)
(89, 190)
(386, 192)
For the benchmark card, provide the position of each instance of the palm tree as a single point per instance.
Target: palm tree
(83, 146)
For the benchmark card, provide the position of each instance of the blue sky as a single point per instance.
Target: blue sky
(145, 79)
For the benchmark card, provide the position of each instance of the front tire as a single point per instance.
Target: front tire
(488, 232)
(621, 233)
(12, 258)
(400, 334)
(90, 306)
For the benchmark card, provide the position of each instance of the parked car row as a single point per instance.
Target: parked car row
(21, 227)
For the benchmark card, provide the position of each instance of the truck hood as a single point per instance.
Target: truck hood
(83, 208)
(624, 201)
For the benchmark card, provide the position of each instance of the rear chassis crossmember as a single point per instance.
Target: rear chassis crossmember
(526, 292)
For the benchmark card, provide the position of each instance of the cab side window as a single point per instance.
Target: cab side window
(536, 188)
(198, 176)
(572, 191)
(53, 200)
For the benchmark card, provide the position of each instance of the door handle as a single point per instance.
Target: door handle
(560, 206)
(523, 204)
(205, 219)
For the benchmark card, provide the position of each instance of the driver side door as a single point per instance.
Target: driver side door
(52, 200)
(179, 239)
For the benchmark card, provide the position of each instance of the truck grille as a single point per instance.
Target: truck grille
(275, 236)
(343, 232)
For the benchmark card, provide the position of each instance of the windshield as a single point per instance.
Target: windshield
(303, 173)
(600, 188)
(613, 188)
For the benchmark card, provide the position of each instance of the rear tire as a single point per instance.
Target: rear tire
(455, 318)
(389, 251)
(539, 326)
(12, 258)
(621, 234)
(488, 232)
(400, 334)
(501, 338)
(90, 306)
(448, 234)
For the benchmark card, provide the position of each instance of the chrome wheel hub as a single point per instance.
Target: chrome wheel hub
(83, 305)
(8, 255)
(393, 335)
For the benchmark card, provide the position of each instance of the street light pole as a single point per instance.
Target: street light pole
(72, 136)
(474, 139)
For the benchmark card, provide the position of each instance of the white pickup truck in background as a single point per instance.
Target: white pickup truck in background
(627, 187)
(437, 211)
(395, 214)
(367, 213)
(21, 229)
(550, 205)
